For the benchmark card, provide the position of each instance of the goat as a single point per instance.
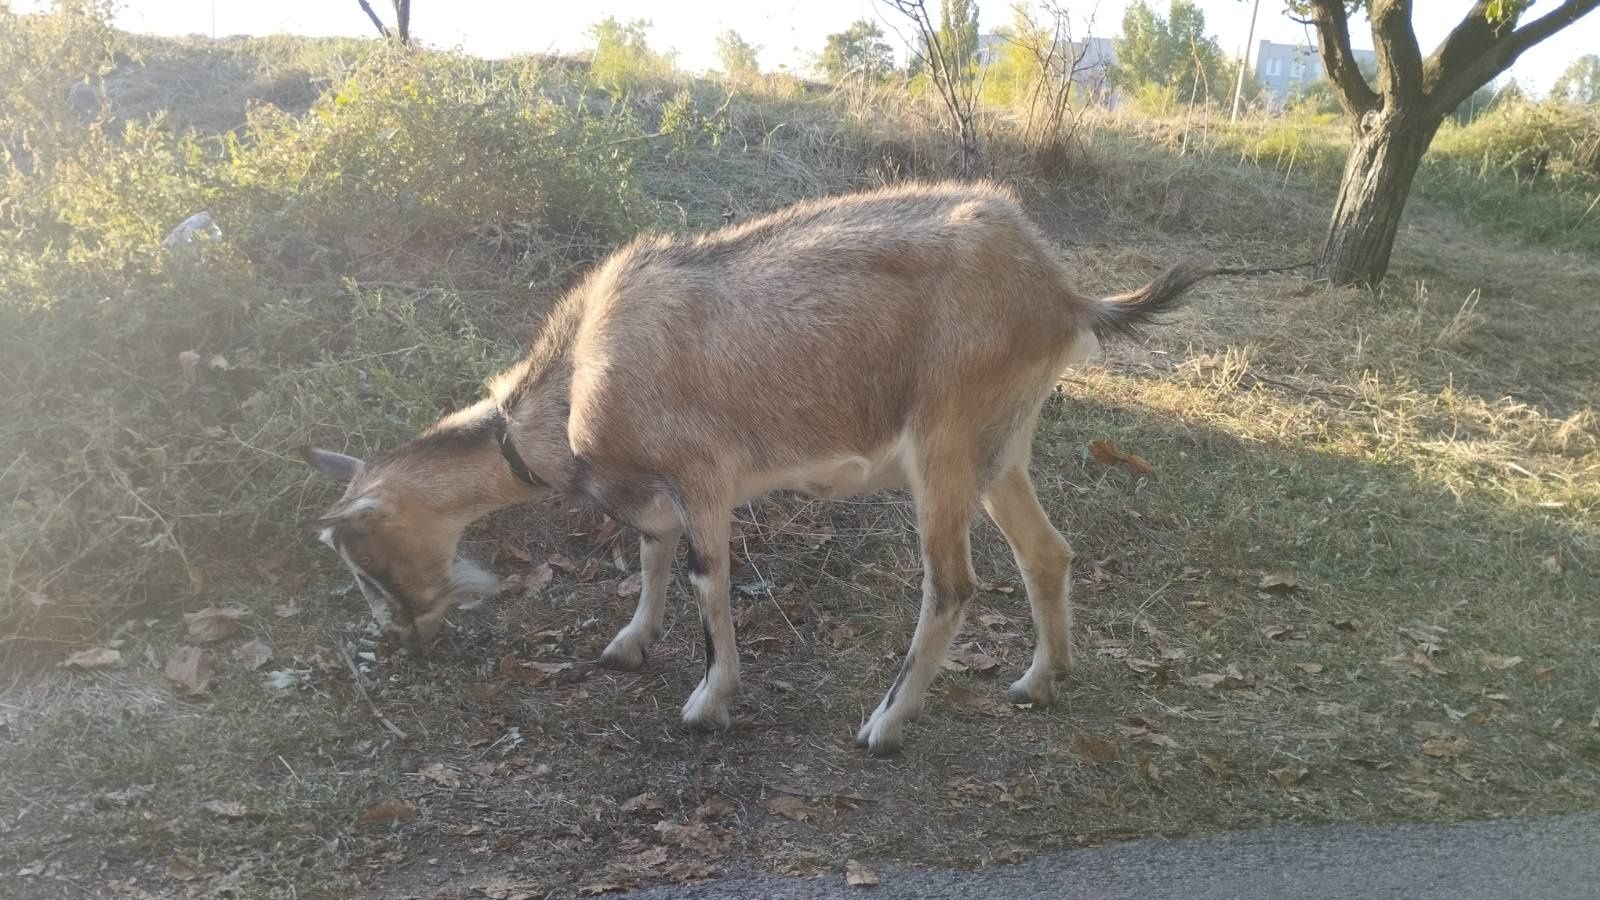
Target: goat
(899, 337)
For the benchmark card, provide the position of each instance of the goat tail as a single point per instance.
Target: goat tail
(1123, 314)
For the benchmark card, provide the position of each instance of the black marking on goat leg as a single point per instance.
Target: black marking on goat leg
(711, 648)
(695, 564)
(894, 689)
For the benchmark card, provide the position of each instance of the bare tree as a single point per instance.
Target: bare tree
(402, 18)
(957, 92)
(1058, 61)
(1394, 120)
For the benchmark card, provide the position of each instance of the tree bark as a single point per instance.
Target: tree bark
(1384, 157)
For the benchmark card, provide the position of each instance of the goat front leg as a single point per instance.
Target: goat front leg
(708, 566)
(627, 650)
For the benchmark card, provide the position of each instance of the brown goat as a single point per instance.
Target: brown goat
(899, 337)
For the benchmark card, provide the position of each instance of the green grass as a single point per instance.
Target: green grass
(1423, 461)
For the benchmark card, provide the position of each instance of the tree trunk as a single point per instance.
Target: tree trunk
(1387, 150)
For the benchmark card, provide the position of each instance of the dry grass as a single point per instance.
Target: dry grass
(1424, 462)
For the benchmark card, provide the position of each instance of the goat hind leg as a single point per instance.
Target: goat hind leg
(1045, 560)
(627, 650)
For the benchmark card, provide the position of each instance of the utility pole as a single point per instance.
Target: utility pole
(1238, 86)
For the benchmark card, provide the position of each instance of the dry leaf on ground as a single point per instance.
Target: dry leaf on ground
(253, 654)
(214, 623)
(1281, 582)
(1095, 749)
(788, 806)
(630, 586)
(1108, 453)
(441, 775)
(191, 670)
(1446, 746)
(227, 809)
(94, 658)
(1495, 661)
(389, 811)
(645, 802)
(857, 875)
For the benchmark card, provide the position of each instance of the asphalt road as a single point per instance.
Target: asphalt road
(1506, 859)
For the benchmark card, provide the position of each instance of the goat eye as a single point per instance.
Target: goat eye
(364, 561)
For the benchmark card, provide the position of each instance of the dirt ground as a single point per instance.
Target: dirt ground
(1349, 578)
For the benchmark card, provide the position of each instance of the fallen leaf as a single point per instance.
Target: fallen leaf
(548, 668)
(1552, 564)
(440, 774)
(218, 362)
(1108, 453)
(1289, 776)
(252, 654)
(1281, 582)
(1429, 638)
(1231, 679)
(1309, 668)
(1368, 762)
(1446, 747)
(994, 620)
(94, 658)
(1329, 708)
(1349, 625)
(714, 808)
(1280, 632)
(690, 837)
(973, 660)
(1495, 661)
(857, 875)
(189, 361)
(288, 609)
(602, 887)
(645, 802)
(689, 870)
(1142, 666)
(213, 623)
(191, 670)
(1094, 748)
(630, 586)
(1220, 768)
(231, 810)
(484, 769)
(182, 868)
(788, 806)
(1147, 767)
(389, 811)
(1544, 674)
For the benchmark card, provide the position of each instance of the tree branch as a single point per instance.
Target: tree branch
(1478, 50)
(1333, 40)
(367, 8)
(1399, 57)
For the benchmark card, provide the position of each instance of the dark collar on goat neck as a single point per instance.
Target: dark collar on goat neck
(502, 437)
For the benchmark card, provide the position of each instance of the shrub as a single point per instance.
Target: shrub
(369, 248)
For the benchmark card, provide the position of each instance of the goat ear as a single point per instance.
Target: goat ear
(330, 463)
(355, 512)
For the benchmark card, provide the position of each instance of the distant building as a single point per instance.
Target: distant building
(1089, 62)
(1286, 70)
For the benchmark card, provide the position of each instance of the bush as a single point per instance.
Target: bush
(154, 394)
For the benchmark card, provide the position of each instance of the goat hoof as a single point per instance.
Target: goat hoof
(882, 735)
(623, 658)
(704, 714)
(1036, 692)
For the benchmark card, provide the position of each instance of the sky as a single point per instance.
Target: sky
(788, 33)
